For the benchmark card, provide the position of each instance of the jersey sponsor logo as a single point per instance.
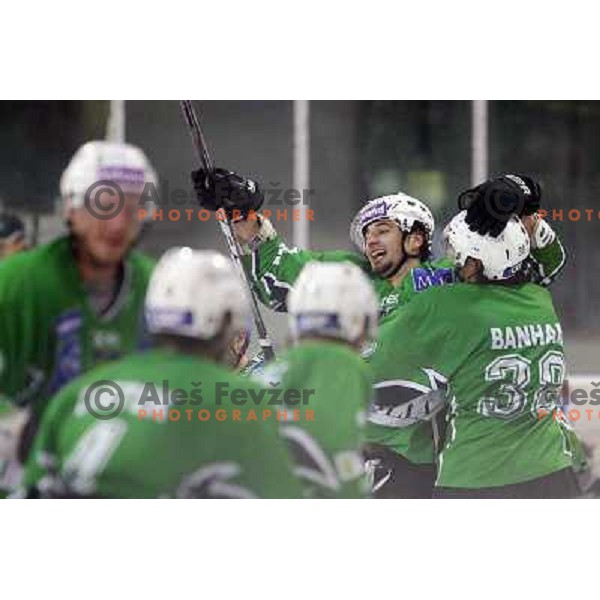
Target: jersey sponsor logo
(121, 174)
(388, 304)
(169, 318)
(525, 336)
(68, 358)
(106, 345)
(373, 213)
(425, 278)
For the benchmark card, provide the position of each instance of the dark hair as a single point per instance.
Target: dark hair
(425, 251)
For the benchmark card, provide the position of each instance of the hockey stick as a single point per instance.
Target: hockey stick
(193, 124)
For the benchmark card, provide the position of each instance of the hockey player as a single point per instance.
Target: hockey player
(77, 301)
(394, 235)
(328, 333)
(393, 232)
(12, 235)
(496, 341)
(157, 445)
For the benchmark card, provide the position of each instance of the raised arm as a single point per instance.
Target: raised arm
(273, 265)
(548, 253)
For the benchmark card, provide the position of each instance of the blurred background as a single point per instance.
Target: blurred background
(346, 152)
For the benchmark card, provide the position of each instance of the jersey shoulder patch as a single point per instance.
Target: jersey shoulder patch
(426, 277)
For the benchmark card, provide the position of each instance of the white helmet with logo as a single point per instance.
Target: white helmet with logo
(404, 210)
(333, 300)
(124, 164)
(190, 293)
(501, 257)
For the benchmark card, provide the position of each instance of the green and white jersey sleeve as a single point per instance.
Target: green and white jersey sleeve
(274, 267)
(548, 254)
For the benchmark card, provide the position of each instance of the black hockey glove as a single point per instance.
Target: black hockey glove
(491, 204)
(227, 190)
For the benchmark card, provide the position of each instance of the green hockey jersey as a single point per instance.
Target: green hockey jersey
(326, 444)
(494, 353)
(274, 267)
(173, 434)
(49, 333)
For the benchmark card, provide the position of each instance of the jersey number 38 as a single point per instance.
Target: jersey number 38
(510, 376)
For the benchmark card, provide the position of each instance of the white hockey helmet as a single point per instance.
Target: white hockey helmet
(190, 292)
(333, 300)
(404, 210)
(502, 257)
(124, 164)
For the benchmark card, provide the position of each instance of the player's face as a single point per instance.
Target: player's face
(383, 246)
(106, 241)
